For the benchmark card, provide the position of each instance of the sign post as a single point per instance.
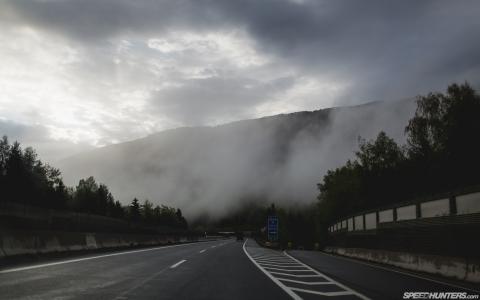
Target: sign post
(272, 228)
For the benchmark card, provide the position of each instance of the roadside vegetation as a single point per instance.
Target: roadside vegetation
(26, 180)
(441, 154)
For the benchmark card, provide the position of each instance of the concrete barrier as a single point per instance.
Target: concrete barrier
(453, 267)
(90, 241)
(21, 243)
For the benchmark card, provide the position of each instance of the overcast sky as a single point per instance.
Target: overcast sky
(81, 73)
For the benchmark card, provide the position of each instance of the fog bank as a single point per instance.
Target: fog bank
(212, 170)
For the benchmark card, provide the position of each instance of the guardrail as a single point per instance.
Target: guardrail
(461, 208)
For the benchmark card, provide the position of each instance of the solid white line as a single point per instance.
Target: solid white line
(268, 257)
(328, 278)
(276, 263)
(280, 261)
(403, 273)
(87, 258)
(201, 251)
(280, 265)
(177, 264)
(343, 293)
(278, 282)
(288, 270)
(307, 282)
(293, 275)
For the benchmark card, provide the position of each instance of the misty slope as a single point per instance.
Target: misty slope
(213, 169)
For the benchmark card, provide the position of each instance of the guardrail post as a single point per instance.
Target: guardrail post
(394, 214)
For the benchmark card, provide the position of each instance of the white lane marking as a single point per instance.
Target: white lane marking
(201, 251)
(293, 275)
(404, 273)
(268, 257)
(307, 282)
(278, 282)
(177, 264)
(288, 270)
(343, 293)
(330, 279)
(286, 261)
(280, 265)
(213, 246)
(88, 258)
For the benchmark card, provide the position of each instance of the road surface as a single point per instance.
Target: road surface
(224, 269)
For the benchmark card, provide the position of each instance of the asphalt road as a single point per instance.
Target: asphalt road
(206, 270)
(224, 269)
(377, 281)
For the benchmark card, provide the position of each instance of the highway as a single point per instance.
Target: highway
(223, 269)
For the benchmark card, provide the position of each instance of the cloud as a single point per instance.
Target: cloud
(50, 150)
(106, 71)
(211, 101)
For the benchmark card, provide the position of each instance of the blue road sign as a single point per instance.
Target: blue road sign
(272, 228)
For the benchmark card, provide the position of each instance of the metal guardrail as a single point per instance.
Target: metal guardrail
(462, 208)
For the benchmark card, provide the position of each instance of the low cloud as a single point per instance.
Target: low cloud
(49, 149)
(108, 71)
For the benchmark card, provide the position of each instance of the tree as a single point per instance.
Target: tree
(442, 137)
(380, 154)
(182, 222)
(147, 212)
(134, 210)
(4, 155)
(441, 155)
(86, 195)
(118, 211)
(15, 175)
(104, 199)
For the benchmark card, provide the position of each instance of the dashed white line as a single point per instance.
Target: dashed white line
(201, 251)
(177, 264)
(86, 258)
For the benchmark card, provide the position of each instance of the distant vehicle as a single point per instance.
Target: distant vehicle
(239, 236)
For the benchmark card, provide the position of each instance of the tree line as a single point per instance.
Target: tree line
(25, 179)
(441, 154)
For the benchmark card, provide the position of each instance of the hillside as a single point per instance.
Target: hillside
(278, 158)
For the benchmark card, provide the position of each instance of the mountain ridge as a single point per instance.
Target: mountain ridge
(212, 168)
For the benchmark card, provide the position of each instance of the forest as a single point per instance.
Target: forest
(441, 154)
(26, 180)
